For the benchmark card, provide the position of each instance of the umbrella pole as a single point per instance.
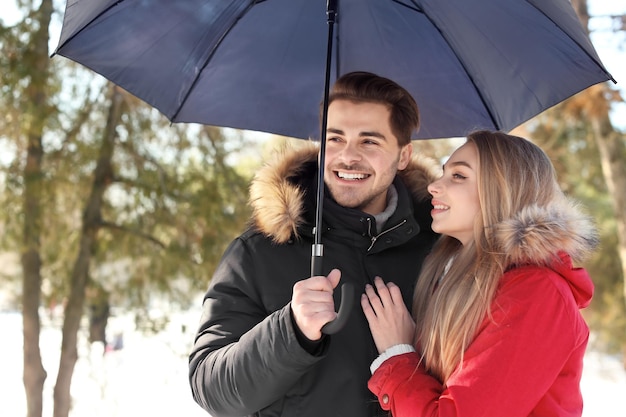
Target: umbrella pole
(318, 248)
(347, 292)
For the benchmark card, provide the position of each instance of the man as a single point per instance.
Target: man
(259, 348)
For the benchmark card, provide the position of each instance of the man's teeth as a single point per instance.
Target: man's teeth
(351, 176)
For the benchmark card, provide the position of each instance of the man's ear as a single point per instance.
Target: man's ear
(405, 156)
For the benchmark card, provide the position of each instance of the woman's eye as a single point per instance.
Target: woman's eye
(458, 176)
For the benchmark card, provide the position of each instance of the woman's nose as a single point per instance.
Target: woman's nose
(434, 187)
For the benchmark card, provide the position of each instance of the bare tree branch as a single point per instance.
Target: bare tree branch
(134, 232)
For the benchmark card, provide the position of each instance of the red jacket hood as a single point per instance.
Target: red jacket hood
(555, 236)
(578, 279)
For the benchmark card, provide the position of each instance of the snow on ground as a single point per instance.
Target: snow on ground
(603, 386)
(149, 375)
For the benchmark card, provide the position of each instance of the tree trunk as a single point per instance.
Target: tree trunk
(612, 147)
(613, 153)
(34, 374)
(99, 311)
(103, 177)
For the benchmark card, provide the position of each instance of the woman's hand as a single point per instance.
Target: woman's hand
(389, 319)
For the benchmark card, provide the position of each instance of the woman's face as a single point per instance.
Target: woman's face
(455, 195)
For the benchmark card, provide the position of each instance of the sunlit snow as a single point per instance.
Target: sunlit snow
(148, 376)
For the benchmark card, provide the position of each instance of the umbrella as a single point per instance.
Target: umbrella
(265, 65)
(259, 65)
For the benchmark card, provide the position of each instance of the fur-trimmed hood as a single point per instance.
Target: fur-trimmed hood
(277, 195)
(536, 234)
(551, 236)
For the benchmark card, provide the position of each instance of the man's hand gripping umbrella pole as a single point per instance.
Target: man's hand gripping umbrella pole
(347, 290)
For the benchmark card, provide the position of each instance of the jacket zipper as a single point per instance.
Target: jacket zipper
(375, 238)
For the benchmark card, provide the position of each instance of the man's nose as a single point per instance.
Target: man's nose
(350, 153)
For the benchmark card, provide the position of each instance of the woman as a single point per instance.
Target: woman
(499, 331)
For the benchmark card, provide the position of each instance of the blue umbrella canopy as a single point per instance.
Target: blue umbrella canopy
(261, 65)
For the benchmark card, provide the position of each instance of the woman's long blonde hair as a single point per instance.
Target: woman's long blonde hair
(513, 173)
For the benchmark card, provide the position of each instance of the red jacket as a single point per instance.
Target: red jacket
(527, 361)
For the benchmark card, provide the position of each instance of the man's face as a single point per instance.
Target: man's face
(362, 155)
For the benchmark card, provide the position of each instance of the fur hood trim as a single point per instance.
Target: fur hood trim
(536, 234)
(277, 199)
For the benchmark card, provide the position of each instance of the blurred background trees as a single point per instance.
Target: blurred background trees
(105, 203)
(107, 206)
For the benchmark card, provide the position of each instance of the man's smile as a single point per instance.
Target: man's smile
(351, 176)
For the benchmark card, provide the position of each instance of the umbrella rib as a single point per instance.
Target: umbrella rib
(599, 64)
(336, 29)
(415, 7)
(208, 58)
(478, 92)
(84, 26)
